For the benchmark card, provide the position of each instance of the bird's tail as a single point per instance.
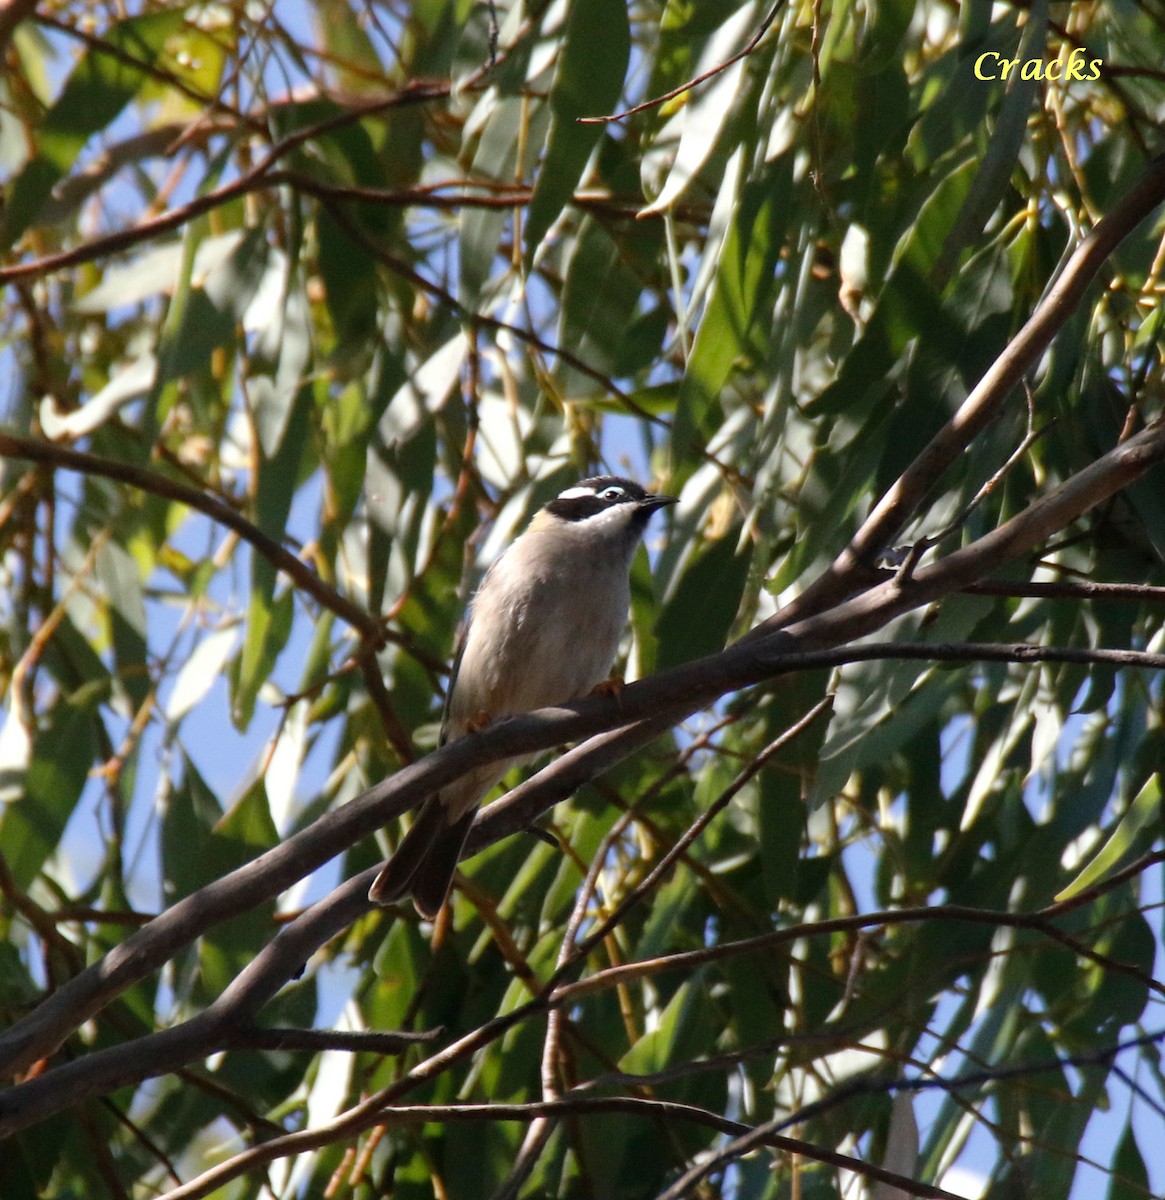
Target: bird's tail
(425, 860)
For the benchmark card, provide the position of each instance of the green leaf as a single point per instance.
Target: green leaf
(675, 1036)
(126, 612)
(993, 176)
(351, 51)
(887, 24)
(268, 628)
(102, 83)
(1144, 810)
(740, 294)
(696, 618)
(188, 820)
(1129, 1177)
(596, 49)
(34, 1156)
(782, 831)
(481, 228)
(598, 303)
(1119, 998)
(201, 843)
(280, 399)
(878, 708)
(268, 618)
(349, 274)
(200, 671)
(16, 986)
(61, 755)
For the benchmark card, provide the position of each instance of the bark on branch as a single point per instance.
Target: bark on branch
(640, 712)
(912, 487)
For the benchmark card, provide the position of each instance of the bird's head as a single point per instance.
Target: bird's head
(605, 508)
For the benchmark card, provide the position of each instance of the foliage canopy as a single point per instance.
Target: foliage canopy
(299, 298)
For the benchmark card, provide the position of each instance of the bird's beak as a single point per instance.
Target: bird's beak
(651, 502)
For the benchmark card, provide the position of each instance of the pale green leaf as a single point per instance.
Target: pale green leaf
(1143, 811)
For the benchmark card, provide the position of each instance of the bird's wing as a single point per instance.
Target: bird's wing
(447, 707)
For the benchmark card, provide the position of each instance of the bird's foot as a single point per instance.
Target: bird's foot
(478, 722)
(609, 687)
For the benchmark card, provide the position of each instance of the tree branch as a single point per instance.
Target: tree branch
(641, 711)
(12, 12)
(412, 93)
(688, 960)
(53, 455)
(568, 1106)
(282, 959)
(916, 482)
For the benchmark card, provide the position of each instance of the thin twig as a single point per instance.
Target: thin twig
(912, 487)
(754, 41)
(688, 960)
(650, 705)
(354, 1041)
(480, 320)
(38, 450)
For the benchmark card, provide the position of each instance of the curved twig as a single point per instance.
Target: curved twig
(973, 415)
(248, 181)
(569, 1106)
(754, 41)
(53, 455)
(640, 711)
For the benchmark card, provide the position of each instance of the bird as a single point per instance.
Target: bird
(543, 628)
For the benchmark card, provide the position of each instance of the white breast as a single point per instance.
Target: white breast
(545, 626)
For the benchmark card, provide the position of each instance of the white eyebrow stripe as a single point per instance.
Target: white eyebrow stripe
(576, 493)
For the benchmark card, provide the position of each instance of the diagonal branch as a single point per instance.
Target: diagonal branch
(915, 483)
(49, 453)
(568, 1106)
(640, 712)
(857, 617)
(227, 1022)
(248, 181)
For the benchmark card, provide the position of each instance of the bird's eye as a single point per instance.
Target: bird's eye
(611, 493)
